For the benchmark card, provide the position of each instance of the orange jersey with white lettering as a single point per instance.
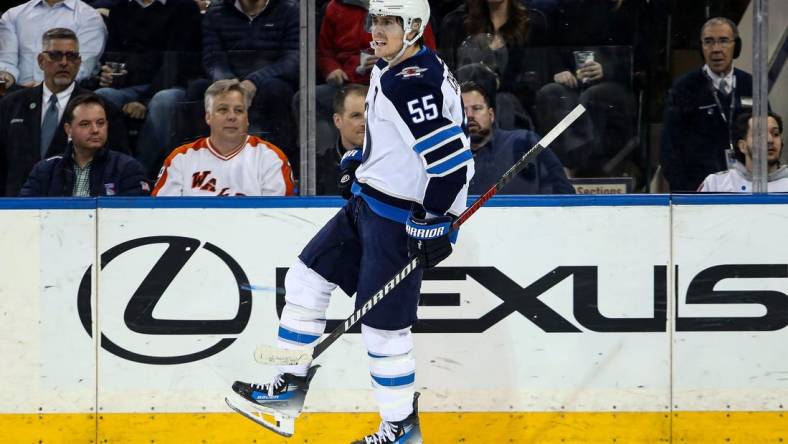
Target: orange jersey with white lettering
(256, 168)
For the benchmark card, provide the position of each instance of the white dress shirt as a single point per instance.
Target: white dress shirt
(730, 79)
(23, 26)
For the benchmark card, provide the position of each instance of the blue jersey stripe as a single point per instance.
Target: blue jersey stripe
(447, 165)
(443, 152)
(436, 139)
(293, 336)
(381, 208)
(396, 381)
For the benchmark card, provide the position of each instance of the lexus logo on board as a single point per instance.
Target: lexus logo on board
(138, 315)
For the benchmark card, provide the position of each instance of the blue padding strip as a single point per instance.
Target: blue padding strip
(293, 336)
(221, 202)
(729, 199)
(48, 203)
(395, 381)
(82, 203)
(451, 163)
(436, 139)
(576, 200)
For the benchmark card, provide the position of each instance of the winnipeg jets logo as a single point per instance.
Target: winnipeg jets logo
(411, 71)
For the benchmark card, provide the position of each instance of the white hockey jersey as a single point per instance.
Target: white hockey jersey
(739, 180)
(416, 147)
(256, 168)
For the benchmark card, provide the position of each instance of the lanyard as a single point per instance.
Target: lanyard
(729, 118)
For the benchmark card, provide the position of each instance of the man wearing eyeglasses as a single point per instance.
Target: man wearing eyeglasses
(21, 28)
(31, 119)
(697, 137)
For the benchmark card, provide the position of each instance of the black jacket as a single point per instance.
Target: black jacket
(111, 174)
(695, 136)
(270, 41)
(20, 135)
(141, 36)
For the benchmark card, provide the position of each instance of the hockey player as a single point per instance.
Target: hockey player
(229, 162)
(738, 179)
(412, 180)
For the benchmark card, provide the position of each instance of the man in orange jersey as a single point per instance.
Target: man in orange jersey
(229, 162)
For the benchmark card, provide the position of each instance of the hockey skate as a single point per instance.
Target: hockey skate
(283, 399)
(407, 431)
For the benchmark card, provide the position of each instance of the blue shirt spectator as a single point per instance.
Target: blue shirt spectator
(495, 151)
(21, 29)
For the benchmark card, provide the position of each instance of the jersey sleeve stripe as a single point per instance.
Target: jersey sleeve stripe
(436, 138)
(448, 165)
(443, 152)
(287, 172)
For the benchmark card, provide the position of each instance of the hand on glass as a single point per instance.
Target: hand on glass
(368, 64)
(590, 72)
(108, 74)
(336, 77)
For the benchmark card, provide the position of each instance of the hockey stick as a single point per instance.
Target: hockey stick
(266, 354)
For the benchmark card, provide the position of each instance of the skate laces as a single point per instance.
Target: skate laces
(272, 388)
(386, 433)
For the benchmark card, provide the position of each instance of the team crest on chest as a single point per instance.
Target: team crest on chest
(411, 71)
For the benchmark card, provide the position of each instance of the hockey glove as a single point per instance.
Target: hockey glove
(347, 171)
(428, 238)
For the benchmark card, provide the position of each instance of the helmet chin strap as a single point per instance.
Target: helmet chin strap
(405, 45)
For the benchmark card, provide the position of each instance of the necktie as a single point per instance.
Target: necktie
(723, 88)
(49, 125)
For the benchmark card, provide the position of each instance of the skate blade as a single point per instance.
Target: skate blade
(283, 424)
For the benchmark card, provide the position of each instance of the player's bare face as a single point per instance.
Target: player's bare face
(387, 36)
(228, 118)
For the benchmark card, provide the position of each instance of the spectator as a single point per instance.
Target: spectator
(600, 143)
(229, 162)
(31, 126)
(21, 28)
(596, 138)
(495, 151)
(349, 121)
(697, 133)
(87, 167)
(496, 29)
(154, 39)
(256, 41)
(738, 179)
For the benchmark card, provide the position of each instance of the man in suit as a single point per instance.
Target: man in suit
(697, 135)
(31, 120)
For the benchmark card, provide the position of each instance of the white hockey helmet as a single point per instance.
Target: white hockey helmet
(412, 13)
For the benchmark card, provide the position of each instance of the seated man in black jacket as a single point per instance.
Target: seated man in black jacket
(87, 168)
